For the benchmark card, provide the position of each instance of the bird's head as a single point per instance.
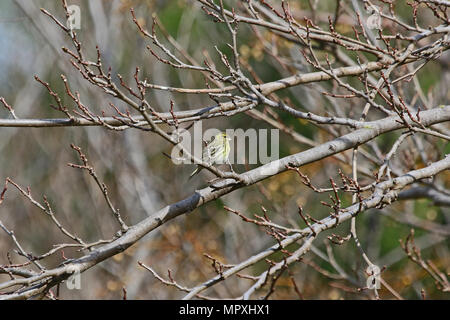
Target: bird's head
(222, 136)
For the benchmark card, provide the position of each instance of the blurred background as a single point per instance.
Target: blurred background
(142, 180)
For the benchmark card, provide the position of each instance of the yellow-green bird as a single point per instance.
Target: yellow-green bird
(216, 150)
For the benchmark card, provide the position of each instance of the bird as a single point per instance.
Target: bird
(216, 150)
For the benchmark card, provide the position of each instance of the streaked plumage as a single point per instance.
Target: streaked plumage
(216, 151)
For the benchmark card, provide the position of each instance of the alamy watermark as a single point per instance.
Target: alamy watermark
(374, 20)
(249, 146)
(373, 281)
(74, 281)
(74, 19)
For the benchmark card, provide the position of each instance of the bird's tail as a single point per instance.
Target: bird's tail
(197, 170)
